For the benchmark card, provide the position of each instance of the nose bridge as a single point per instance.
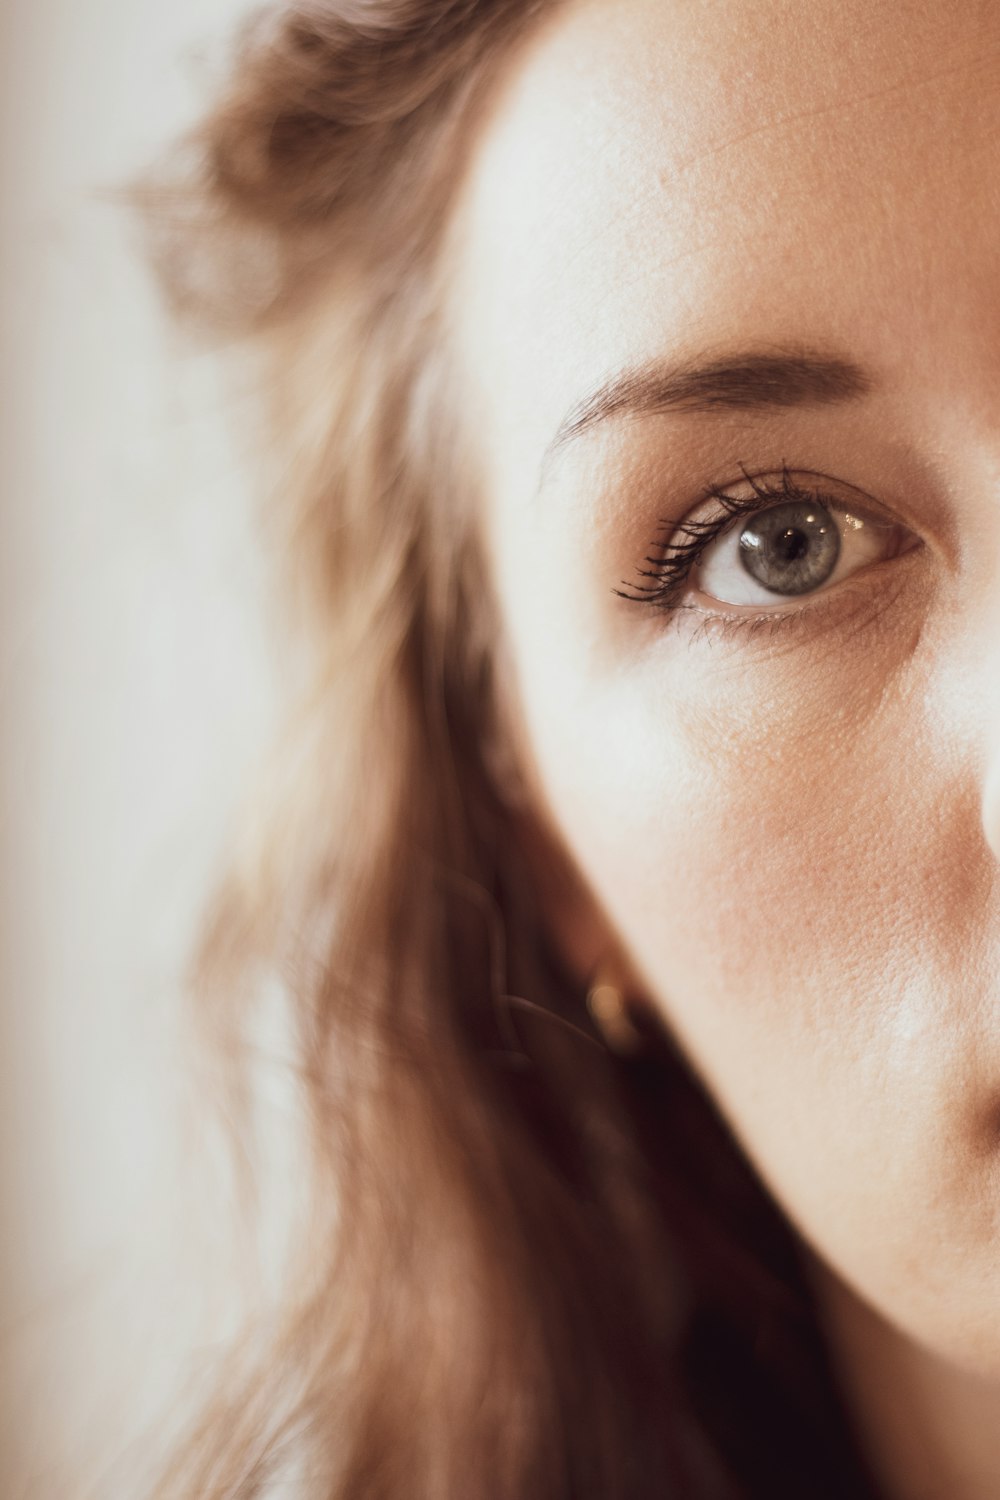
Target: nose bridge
(991, 805)
(964, 720)
(961, 629)
(990, 676)
(986, 696)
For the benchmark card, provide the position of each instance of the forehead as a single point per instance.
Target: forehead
(671, 176)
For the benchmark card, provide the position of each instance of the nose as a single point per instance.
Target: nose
(991, 795)
(983, 688)
(988, 695)
(971, 683)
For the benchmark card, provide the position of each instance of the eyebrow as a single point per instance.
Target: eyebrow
(745, 382)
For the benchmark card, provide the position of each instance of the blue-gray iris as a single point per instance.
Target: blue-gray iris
(791, 548)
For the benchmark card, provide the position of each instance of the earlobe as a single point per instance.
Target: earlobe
(580, 931)
(610, 1010)
(579, 928)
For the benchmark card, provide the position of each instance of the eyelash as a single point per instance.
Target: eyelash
(670, 572)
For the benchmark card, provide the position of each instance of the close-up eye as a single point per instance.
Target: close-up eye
(793, 549)
(778, 544)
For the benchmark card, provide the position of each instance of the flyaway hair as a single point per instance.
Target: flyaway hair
(534, 1270)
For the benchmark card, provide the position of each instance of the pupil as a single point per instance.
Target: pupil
(791, 545)
(791, 548)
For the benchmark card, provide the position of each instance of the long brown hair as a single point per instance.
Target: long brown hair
(535, 1270)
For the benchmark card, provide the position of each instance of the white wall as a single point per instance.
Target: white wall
(134, 690)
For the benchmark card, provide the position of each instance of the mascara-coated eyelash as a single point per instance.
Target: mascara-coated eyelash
(669, 569)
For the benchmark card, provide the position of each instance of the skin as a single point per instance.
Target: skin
(788, 836)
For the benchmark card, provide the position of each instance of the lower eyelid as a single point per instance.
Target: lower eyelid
(853, 599)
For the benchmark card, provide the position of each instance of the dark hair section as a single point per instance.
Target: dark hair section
(538, 1270)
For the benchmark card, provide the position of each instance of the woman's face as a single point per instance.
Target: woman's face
(701, 242)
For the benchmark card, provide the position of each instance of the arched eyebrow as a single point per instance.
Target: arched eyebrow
(744, 382)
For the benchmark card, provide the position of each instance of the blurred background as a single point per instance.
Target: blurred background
(137, 681)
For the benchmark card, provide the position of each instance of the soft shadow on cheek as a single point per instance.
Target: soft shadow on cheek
(722, 810)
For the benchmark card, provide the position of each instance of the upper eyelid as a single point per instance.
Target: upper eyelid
(673, 539)
(716, 491)
(873, 511)
(672, 542)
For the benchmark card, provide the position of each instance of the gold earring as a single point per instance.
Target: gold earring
(609, 1010)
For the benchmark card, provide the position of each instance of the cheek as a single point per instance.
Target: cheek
(734, 845)
(791, 868)
(729, 813)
